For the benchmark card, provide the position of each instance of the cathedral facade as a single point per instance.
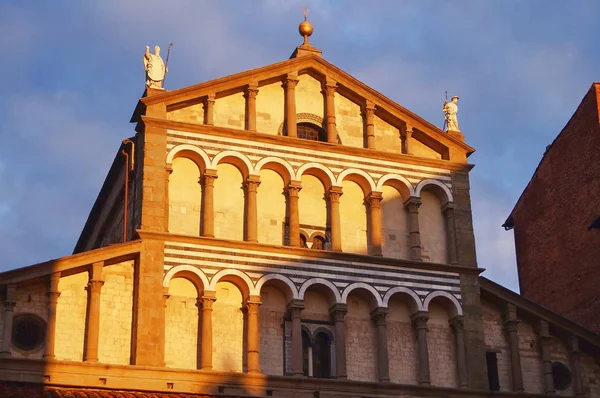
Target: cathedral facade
(289, 232)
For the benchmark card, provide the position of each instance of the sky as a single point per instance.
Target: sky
(72, 73)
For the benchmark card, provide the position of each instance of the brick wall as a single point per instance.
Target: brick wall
(557, 256)
(361, 343)
(70, 317)
(116, 303)
(495, 340)
(402, 343)
(441, 348)
(272, 311)
(181, 325)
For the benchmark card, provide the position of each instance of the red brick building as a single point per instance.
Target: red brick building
(558, 250)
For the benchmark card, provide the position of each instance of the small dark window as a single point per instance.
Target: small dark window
(28, 332)
(322, 356)
(318, 243)
(492, 370)
(561, 376)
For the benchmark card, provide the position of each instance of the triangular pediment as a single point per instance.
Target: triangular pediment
(315, 67)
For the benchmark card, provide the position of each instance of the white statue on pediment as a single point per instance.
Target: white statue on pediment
(450, 109)
(155, 68)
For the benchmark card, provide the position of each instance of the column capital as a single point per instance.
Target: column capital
(53, 292)
(295, 308)
(374, 199)
(379, 315)
(448, 207)
(251, 90)
(208, 177)
(457, 323)
(329, 86)
(334, 193)
(407, 130)
(293, 188)
(412, 203)
(368, 108)
(419, 319)
(573, 344)
(94, 285)
(208, 100)
(252, 182)
(338, 312)
(290, 81)
(543, 330)
(252, 303)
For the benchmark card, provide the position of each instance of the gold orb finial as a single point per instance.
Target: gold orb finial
(305, 28)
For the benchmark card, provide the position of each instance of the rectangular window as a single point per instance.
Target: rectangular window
(492, 370)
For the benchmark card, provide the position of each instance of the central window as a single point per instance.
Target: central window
(309, 131)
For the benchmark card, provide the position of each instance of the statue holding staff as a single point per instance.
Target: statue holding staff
(450, 109)
(155, 68)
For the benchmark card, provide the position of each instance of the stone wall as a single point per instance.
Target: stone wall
(269, 108)
(433, 229)
(361, 343)
(31, 300)
(230, 111)
(70, 317)
(311, 202)
(185, 195)
(349, 122)
(272, 311)
(181, 325)
(353, 219)
(442, 349)
(228, 328)
(229, 203)
(394, 221)
(402, 343)
(531, 360)
(116, 306)
(308, 96)
(270, 208)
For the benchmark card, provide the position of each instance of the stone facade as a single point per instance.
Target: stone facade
(297, 234)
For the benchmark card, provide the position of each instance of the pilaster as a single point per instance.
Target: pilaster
(92, 327)
(368, 112)
(295, 308)
(253, 346)
(289, 85)
(333, 198)
(511, 324)
(209, 103)
(373, 203)
(338, 313)
(250, 94)
(457, 324)
(53, 295)
(208, 213)
(329, 89)
(545, 340)
(448, 211)
(419, 320)
(250, 188)
(206, 304)
(383, 364)
(292, 191)
(9, 307)
(414, 238)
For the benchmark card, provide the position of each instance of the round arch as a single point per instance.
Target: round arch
(442, 190)
(417, 304)
(238, 278)
(193, 274)
(323, 173)
(362, 178)
(399, 182)
(237, 159)
(277, 277)
(455, 308)
(364, 286)
(324, 282)
(192, 152)
(280, 166)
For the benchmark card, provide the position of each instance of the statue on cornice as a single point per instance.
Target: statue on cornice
(450, 109)
(155, 68)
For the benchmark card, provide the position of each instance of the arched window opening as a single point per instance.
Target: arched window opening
(303, 241)
(309, 131)
(322, 356)
(318, 243)
(306, 354)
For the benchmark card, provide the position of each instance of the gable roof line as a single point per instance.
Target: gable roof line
(509, 223)
(305, 62)
(538, 310)
(110, 255)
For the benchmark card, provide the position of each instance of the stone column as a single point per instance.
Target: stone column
(419, 320)
(412, 204)
(333, 196)
(209, 102)
(576, 363)
(9, 307)
(53, 294)
(295, 308)
(511, 322)
(383, 365)
(448, 210)
(406, 136)
(329, 88)
(292, 191)
(289, 85)
(253, 337)
(206, 302)
(250, 94)
(338, 312)
(92, 326)
(457, 324)
(368, 115)
(545, 339)
(208, 208)
(250, 187)
(168, 172)
(373, 202)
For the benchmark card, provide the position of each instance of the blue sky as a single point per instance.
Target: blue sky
(72, 74)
